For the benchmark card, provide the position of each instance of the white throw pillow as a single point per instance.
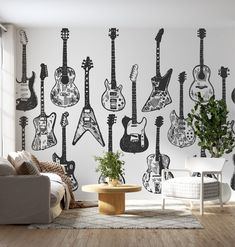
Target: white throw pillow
(17, 159)
(6, 168)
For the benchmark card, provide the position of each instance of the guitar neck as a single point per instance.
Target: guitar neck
(24, 64)
(223, 89)
(42, 98)
(110, 144)
(201, 53)
(157, 151)
(158, 74)
(63, 157)
(181, 110)
(64, 68)
(87, 96)
(134, 111)
(23, 138)
(113, 68)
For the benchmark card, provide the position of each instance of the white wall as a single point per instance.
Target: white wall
(179, 50)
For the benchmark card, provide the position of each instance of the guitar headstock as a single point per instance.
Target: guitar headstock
(23, 121)
(111, 119)
(158, 38)
(23, 37)
(64, 119)
(159, 121)
(182, 77)
(87, 63)
(201, 33)
(134, 73)
(44, 72)
(224, 72)
(65, 34)
(113, 33)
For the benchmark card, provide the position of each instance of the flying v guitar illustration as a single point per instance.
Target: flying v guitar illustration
(112, 99)
(87, 121)
(44, 125)
(134, 139)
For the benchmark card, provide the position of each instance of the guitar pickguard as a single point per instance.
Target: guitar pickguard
(64, 94)
(44, 137)
(87, 122)
(180, 133)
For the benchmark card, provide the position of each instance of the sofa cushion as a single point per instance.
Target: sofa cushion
(28, 168)
(6, 168)
(17, 159)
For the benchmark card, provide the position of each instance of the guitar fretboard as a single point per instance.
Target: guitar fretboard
(113, 69)
(158, 74)
(64, 68)
(157, 152)
(63, 157)
(181, 110)
(24, 64)
(134, 111)
(201, 53)
(23, 138)
(42, 98)
(87, 96)
(223, 90)
(110, 145)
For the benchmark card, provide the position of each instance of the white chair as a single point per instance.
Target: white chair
(193, 188)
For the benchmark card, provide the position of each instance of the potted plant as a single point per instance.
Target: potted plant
(210, 125)
(111, 167)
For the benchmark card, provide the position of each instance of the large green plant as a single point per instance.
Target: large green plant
(209, 122)
(110, 165)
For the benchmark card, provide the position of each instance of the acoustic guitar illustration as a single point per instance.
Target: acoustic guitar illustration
(26, 98)
(180, 133)
(44, 125)
(68, 165)
(159, 96)
(134, 139)
(155, 163)
(23, 122)
(112, 99)
(201, 75)
(65, 92)
(110, 121)
(87, 120)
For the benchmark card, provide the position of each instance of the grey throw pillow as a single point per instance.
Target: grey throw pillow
(28, 168)
(6, 168)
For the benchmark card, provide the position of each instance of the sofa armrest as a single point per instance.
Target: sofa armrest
(24, 199)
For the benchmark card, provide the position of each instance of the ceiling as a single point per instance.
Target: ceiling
(126, 13)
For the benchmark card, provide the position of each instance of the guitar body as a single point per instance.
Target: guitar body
(112, 99)
(65, 93)
(44, 135)
(152, 177)
(28, 99)
(69, 169)
(87, 122)
(159, 96)
(134, 139)
(180, 133)
(201, 84)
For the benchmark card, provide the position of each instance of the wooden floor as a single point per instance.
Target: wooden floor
(219, 230)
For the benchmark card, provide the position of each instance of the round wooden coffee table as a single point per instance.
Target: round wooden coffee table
(111, 199)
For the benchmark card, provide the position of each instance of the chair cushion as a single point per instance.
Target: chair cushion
(6, 168)
(189, 187)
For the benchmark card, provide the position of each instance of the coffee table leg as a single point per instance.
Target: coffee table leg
(111, 203)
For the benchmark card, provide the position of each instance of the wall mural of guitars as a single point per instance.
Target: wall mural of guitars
(87, 120)
(134, 139)
(26, 98)
(155, 163)
(23, 122)
(68, 165)
(159, 96)
(110, 121)
(44, 125)
(180, 133)
(201, 75)
(112, 99)
(65, 92)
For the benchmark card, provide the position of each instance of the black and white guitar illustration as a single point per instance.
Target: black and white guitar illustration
(112, 99)
(159, 96)
(134, 139)
(44, 125)
(68, 165)
(201, 75)
(87, 120)
(23, 122)
(155, 163)
(110, 121)
(65, 92)
(26, 98)
(180, 133)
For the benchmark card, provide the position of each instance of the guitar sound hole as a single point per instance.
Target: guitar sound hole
(201, 75)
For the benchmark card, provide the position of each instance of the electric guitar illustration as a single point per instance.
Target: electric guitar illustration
(112, 99)
(159, 96)
(68, 165)
(201, 75)
(155, 163)
(65, 92)
(87, 120)
(180, 133)
(23, 122)
(26, 98)
(44, 125)
(134, 139)
(110, 121)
